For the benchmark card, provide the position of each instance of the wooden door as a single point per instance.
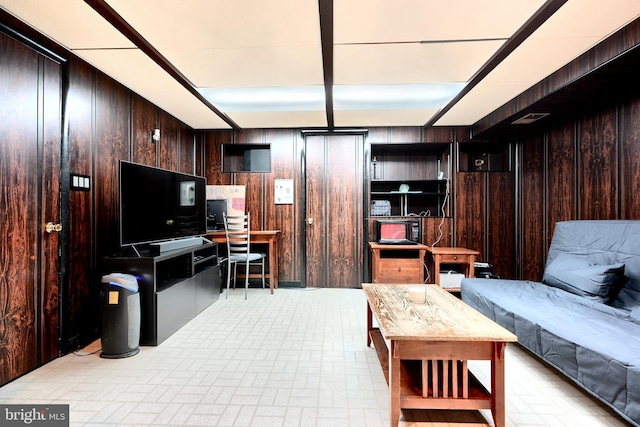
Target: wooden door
(334, 210)
(29, 197)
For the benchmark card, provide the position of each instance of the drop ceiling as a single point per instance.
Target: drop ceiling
(218, 64)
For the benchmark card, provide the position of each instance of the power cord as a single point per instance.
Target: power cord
(444, 204)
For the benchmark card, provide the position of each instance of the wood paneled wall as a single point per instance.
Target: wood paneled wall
(286, 163)
(107, 123)
(29, 197)
(582, 168)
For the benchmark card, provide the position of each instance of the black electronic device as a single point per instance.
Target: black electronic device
(215, 211)
(158, 204)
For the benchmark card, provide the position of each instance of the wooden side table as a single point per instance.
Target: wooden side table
(462, 256)
(397, 263)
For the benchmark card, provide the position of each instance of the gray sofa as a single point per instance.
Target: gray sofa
(584, 317)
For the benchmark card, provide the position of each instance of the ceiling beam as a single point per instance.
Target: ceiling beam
(111, 16)
(326, 36)
(540, 17)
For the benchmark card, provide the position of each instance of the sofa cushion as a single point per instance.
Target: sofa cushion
(604, 242)
(575, 274)
(595, 345)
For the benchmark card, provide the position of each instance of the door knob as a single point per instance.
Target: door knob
(52, 228)
(309, 221)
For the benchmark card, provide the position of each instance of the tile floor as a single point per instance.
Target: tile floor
(295, 358)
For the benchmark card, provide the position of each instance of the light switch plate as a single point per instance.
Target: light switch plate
(80, 182)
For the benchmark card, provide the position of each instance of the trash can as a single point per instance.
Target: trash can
(120, 306)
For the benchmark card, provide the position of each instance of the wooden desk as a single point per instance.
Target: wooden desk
(268, 237)
(430, 345)
(463, 256)
(397, 263)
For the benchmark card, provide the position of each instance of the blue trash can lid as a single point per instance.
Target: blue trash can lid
(127, 281)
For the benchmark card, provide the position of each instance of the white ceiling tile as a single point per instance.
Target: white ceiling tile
(72, 23)
(251, 67)
(207, 24)
(135, 70)
(410, 63)
(360, 21)
(280, 119)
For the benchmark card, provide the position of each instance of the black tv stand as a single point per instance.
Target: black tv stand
(175, 286)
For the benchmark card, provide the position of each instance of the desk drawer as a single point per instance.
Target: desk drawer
(400, 275)
(455, 259)
(398, 271)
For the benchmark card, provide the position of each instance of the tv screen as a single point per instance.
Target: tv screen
(158, 204)
(393, 231)
(398, 231)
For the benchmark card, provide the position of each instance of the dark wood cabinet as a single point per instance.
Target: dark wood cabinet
(174, 286)
(246, 157)
(484, 157)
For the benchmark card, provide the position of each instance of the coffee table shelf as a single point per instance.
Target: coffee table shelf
(412, 395)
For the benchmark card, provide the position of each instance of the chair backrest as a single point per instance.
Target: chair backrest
(236, 228)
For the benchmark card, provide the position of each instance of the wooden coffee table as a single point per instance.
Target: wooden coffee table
(430, 344)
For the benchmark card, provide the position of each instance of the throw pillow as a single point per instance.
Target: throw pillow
(576, 275)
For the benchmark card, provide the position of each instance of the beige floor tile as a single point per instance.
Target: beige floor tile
(295, 358)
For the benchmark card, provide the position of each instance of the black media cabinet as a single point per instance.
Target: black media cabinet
(174, 286)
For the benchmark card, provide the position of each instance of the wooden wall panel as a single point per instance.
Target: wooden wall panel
(438, 134)
(199, 153)
(598, 166)
(254, 196)
(288, 218)
(630, 164)
(186, 150)
(500, 228)
(344, 211)
(436, 231)
(50, 186)
(560, 192)
(80, 319)
(144, 119)
(112, 107)
(212, 155)
(19, 125)
(531, 224)
(470, 209)
(315, 254)
(168, 145)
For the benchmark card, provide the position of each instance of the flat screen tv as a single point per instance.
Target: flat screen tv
(398, 232)
(158, 204)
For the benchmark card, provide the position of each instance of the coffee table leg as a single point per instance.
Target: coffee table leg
(497, 384)
(369, 324)
(394, 386)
